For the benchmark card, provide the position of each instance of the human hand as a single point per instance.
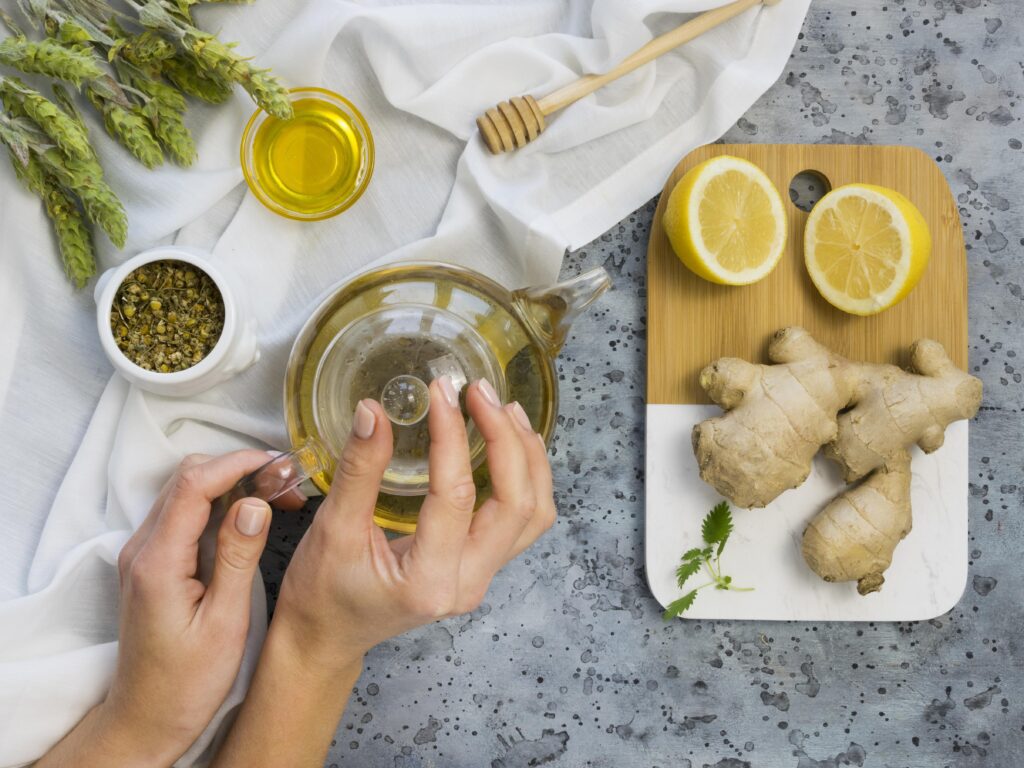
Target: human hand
(181, 642)
(348, 587)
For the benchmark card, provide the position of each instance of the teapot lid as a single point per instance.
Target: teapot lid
(392, 354)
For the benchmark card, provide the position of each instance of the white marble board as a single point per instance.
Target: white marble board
(929, 569)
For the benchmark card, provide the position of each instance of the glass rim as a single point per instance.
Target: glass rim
(252, 178)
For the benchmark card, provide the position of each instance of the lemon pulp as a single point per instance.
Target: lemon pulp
(726, 222)
(312, 162)
(865, 247)
(737, 222)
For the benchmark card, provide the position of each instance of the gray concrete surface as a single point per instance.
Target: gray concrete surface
(568, 663)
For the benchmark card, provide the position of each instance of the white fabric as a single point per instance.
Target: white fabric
(83, 453)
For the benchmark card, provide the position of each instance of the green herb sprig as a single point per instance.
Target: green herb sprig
(715, 530)
(215, 59)
(133, 62)
(49, 148)
(48, 57)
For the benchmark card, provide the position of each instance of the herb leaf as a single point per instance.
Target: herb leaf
(677, 607)
(693, 554)
(687, 569)
(717, 526)
(715, 530)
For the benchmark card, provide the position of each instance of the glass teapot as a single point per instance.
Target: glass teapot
(387, 333)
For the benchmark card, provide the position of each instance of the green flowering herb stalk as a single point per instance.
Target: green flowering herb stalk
(715, 531)
(49, 149)
(50, 58)
(214, 59)
(64, 130)
(135, 69)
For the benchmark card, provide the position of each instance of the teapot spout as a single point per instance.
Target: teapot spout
(550, 311)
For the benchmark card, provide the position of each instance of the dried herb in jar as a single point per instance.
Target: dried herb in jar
(167, 316)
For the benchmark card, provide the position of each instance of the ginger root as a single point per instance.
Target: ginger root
(778, 417)
(891, 409)
(853, 538)
(866, 415)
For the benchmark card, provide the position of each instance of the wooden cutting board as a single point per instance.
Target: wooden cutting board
(692, 322)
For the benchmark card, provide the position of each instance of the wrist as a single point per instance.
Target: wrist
(114, 738)
(297, 697)
(314, 660)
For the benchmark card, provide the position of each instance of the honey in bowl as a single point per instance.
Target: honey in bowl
(314, 165)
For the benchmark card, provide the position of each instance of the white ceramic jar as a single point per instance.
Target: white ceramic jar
(234, 351)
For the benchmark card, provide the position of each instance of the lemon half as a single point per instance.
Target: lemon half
(726, 222)
(865, 247)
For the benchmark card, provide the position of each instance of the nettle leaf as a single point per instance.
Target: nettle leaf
(687, 569)
(715, 529)
(677, 607)
(717, 526)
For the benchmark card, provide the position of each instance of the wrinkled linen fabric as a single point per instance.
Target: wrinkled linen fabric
(83, 453)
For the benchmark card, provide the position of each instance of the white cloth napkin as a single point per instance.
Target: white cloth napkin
(83, 453)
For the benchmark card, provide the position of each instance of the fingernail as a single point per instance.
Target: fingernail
(251, 518)
(448, 390)
(543, 442)
(274, 454)
(487, 390)
(521, 417)
(364, 422)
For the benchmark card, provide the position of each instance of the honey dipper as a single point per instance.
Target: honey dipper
(515, 123)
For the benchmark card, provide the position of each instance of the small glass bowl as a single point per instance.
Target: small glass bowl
(354, 122)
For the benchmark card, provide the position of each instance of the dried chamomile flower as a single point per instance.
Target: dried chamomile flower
(167, 316)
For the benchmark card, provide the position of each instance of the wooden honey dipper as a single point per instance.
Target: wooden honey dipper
(518, 121)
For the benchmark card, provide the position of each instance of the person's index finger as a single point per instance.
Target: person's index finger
(186, 509)
(142, 533)
(447, 509)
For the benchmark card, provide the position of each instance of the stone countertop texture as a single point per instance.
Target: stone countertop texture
(568, 663)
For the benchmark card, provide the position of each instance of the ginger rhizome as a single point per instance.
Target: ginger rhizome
(778, 417)
(892, 409)
(853, 538)
(866, 415)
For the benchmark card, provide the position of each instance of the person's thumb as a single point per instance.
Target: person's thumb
(240, 543)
